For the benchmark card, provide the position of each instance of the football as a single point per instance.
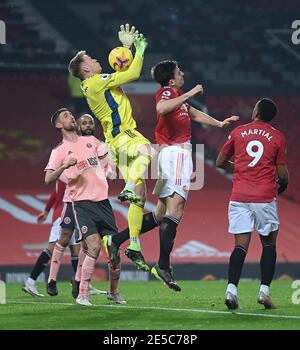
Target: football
(120, 59)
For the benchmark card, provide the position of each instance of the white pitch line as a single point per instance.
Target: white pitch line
(166, 309)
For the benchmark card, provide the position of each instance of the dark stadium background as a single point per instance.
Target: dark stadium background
(239, 50)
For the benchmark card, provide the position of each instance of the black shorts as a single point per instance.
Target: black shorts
(67, 217)
(94, 217)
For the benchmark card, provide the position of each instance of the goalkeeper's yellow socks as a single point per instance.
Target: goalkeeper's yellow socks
(135, 220)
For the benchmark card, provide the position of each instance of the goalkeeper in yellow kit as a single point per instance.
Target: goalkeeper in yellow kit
(133, 152)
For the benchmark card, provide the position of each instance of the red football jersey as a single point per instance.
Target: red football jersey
(257, 148)
(174, 127)
(56, 200)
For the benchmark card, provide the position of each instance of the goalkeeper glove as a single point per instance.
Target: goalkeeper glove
(282, 186)
(140, 44)
(127, 35)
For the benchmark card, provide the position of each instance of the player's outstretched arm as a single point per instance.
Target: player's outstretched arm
(134, 71)
(127, 35)
(203, 118)
(229, 121)
(167, 106)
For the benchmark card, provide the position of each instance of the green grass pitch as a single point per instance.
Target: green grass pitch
(152, 306)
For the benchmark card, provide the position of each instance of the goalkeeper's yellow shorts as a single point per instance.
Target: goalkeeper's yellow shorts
(126, 148)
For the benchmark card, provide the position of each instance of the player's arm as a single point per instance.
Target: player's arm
(224, 163)
(281, 167)
(223, 160)
(44, 214)
(283, 177)
(106, 161)
(53, 175)
(166, 106)
(206, 119)
(134, 70)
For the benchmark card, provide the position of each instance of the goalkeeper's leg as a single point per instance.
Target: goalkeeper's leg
(135, 217)
(136, 172)
(135, 220)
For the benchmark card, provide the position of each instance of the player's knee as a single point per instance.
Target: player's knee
(159, 216)
(51, 247)
(176, 212)
(147, 151)
(94, 250)
(94, 245)
(65, 237)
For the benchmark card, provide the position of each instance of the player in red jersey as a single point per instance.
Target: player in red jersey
(259, 152)
(173, 135)
(55, 201)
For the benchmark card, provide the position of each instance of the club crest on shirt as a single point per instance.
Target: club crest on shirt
(185, 188)
(84, 229)
(88, 145)
(67, 220)
(166, 94)
(184, 107)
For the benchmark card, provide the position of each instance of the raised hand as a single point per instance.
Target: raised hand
(198, 89)
(140, 44)
(127, 35)
(229, 121)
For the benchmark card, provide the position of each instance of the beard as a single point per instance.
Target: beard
(71, 128)
(87, 132)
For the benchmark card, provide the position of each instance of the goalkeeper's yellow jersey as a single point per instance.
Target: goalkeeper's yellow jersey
(108, 101)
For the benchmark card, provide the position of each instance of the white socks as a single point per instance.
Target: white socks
(30, 281)
(265, 289)
(232, 289)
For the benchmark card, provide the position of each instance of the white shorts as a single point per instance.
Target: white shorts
(175, 167)
(55, 233)
(244, 217)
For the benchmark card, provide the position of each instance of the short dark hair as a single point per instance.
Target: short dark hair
(266, 109)
(56, 115)
(163, 71)
(74, 65)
